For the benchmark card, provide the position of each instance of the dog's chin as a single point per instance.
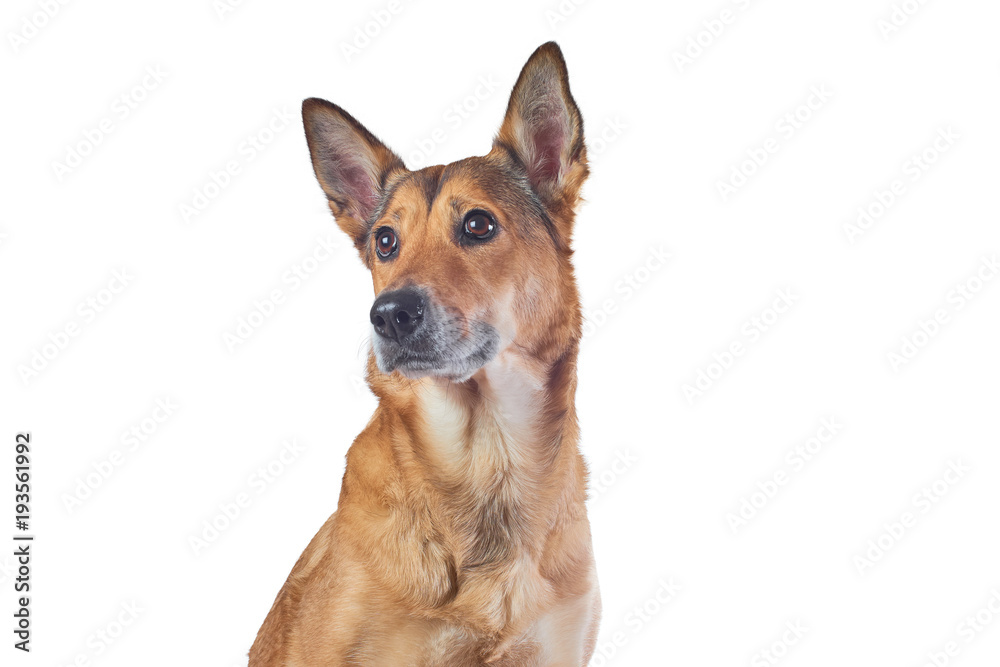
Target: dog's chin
(455, 363)
(419, 370)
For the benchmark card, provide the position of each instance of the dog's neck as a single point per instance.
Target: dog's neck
(500, 448)
(513, 409)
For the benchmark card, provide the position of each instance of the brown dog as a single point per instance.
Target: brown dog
(461, 537)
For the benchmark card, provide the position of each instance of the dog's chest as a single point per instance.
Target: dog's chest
(491, 455)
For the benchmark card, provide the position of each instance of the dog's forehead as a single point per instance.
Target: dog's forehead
(469, 183)
(419, 189)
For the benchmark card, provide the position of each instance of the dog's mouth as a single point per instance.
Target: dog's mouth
(444, 346)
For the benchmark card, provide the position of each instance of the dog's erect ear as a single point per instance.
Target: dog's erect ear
(544, 130)
(352, 165)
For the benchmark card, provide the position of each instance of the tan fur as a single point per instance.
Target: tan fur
(461, 536)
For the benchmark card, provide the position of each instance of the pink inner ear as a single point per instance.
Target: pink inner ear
(548, 140)
(359, 188)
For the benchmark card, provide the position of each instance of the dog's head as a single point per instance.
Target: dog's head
(471, 258)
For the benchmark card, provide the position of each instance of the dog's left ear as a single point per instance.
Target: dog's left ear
(351, 164)
(544, 130)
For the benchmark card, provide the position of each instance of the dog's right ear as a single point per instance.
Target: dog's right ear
(544, 130)
(351, 164)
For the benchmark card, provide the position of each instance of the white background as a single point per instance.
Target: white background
(672, 131)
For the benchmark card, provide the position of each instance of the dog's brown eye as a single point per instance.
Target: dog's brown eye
(385, 242)
(479, 225)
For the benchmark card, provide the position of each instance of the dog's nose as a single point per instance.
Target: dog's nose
(398, 313)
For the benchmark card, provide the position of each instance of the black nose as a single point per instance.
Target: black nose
(398, 313)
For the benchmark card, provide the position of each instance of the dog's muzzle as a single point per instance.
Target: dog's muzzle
(417, 337)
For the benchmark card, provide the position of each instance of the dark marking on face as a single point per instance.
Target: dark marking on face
(429, 181)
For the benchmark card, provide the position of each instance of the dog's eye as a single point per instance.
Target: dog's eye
(385, 242)
(478, 225)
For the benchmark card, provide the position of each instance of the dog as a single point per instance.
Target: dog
(461, 536)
